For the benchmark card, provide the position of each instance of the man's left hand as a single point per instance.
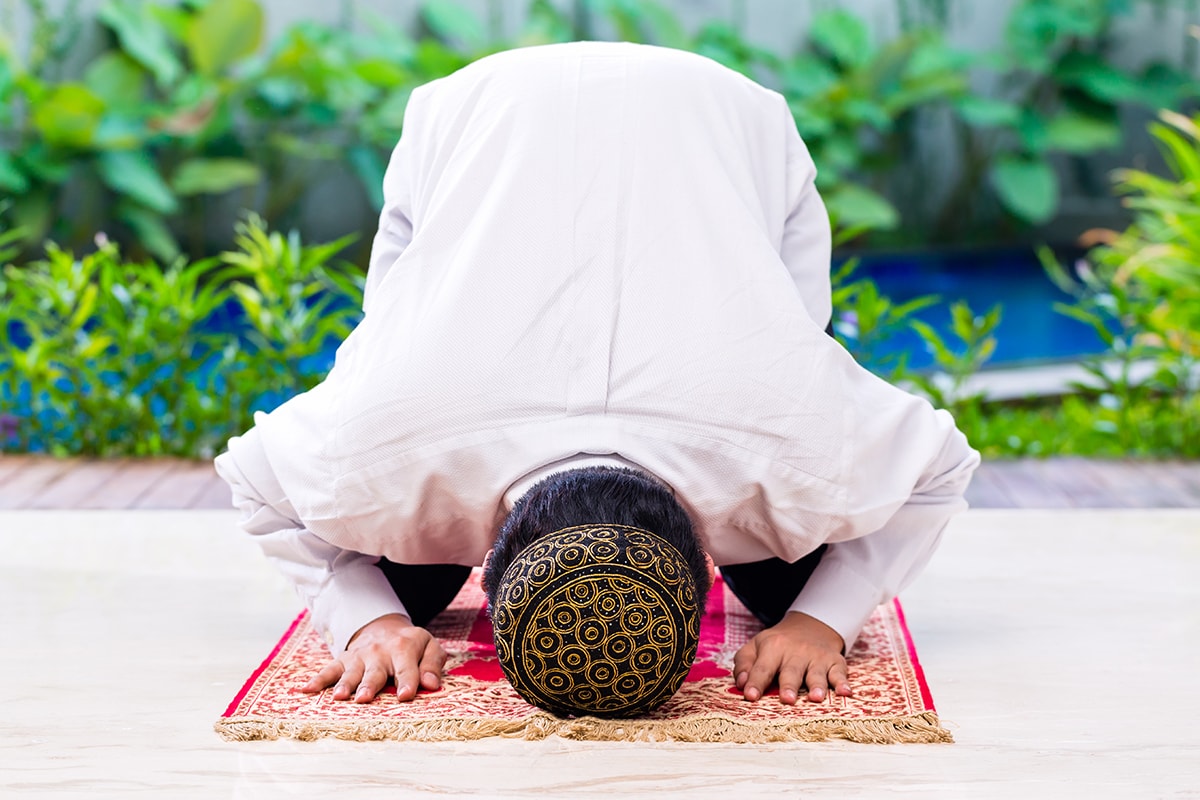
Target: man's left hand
(801, 651)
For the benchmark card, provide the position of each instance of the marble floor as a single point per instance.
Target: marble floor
(1062, 648)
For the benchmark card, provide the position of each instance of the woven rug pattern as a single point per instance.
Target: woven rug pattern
(891, 700)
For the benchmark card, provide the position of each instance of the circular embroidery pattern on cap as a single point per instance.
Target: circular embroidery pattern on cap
(598, 620)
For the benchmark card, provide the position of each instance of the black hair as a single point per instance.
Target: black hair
(595, 495)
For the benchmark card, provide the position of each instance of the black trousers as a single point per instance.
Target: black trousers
(766, 588)
(425, 589)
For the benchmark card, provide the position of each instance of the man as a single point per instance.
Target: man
(597, 302)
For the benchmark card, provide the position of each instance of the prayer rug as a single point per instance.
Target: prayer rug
(891, 701)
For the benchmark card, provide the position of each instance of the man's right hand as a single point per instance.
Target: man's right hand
(389, 647)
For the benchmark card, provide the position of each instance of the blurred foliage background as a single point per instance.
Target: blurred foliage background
(182, 114)
(151, 153)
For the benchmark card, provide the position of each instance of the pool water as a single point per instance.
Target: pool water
(1030, 330)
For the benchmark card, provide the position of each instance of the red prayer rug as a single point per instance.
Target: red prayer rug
(891, 701)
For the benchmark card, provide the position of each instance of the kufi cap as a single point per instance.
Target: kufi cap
(597, 619)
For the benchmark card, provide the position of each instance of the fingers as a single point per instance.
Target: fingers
(374, 678)
(743, 661)
(406, 670)
(352, 676)
(414, 658)
(802, 670)
(328, 676)
(432, 661)
(791, 676)
(839, 680)
(817, 680)
(762, 672)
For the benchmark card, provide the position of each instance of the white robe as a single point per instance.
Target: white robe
(598, 249)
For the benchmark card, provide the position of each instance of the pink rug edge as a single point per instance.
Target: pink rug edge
(918, 670)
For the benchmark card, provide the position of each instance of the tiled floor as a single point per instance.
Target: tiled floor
(1060, 647)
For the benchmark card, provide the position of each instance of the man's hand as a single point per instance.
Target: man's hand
(390, 646)
(800, 650)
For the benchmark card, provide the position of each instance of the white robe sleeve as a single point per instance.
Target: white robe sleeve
(857, 575)
(806, 246)
(396, 220)
(342, 589)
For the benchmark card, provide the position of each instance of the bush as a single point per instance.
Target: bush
(104, 356)
(1140, 290)
(189, 115)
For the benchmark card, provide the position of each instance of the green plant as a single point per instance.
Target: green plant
(1060, 99)
(865, 320)
(1161, 249)
(1140, 291)
(294, 305)
(104, 356)
(975, 334)
(854, 102)
(190, 116)
(947, 385)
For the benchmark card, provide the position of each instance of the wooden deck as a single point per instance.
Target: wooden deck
(39, 482)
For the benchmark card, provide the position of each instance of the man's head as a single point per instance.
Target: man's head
(596, 587)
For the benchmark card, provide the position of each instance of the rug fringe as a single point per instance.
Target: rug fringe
(914, 729)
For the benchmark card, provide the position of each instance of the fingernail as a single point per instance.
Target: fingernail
(402, 690)
(430, 678)
(819, 694)
(752, 693)
(741, 678)
(787, 696)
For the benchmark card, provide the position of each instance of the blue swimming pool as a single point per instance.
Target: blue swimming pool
(1030, 332)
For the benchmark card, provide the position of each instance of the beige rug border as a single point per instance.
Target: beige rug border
(924, 728)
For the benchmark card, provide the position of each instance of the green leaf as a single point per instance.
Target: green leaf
(12, 179)
(173, 18)
(806, 76)
(932, 58)
(433, 59)
(151, 231)
(214, 175)
(852, 205)
(1089, 72)
(222, 33)
(1032, 130)
(7, 70)
(1026, 187)
(116, 79)
(985, 112)
(1182, 154)
(117, 132)
(1164, 86)
(642, 21)
(1074, 132)
(452, 22)
(867, 112)
(68, 115)
(33, 216)
(142, 38)
(370, 168)
(131, 173)
(1087, 318)
(812, 123)
(842, 35)
(382, 73)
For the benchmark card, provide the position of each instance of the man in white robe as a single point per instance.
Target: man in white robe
(598, 254)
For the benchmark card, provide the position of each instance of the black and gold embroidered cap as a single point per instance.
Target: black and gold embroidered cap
(597, 619)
